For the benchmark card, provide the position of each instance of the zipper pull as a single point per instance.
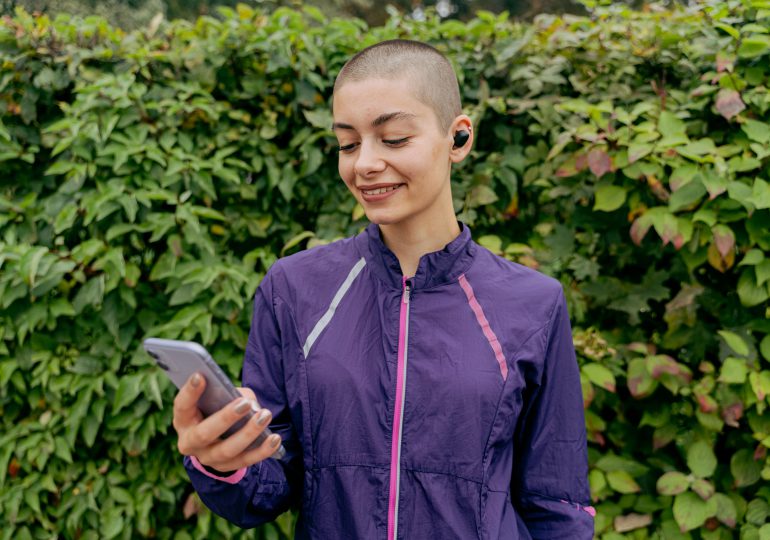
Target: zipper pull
(407, 290)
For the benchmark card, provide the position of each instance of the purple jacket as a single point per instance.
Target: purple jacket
(444, 405)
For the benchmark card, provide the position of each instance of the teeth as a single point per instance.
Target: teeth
(380, 191)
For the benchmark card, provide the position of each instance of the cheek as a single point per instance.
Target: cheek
(345, 169)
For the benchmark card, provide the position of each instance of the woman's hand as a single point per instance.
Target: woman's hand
(199, 436)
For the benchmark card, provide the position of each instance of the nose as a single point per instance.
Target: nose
(368, 160)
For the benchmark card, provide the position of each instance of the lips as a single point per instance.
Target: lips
(378, 192)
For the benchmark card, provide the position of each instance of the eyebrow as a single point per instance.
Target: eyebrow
(379, 121)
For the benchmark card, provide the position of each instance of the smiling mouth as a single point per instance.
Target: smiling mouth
(380, 191)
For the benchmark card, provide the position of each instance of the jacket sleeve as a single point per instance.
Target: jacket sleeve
(260, 493)
(549, 484)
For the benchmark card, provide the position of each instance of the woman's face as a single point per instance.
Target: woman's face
(393, 156)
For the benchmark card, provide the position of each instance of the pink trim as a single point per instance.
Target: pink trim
(232, 479)
(590, 510)
(484, 323)
(396, 438)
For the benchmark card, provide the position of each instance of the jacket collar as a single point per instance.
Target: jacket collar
(436, 268)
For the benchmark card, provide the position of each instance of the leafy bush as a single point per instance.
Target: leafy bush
(152, 177)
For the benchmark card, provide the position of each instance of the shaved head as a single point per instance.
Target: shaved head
(427, 70)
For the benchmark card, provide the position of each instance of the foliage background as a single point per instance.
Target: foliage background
(150, 178)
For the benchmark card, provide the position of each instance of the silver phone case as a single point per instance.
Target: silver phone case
(180, 359)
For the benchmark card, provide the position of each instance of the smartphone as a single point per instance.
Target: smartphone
(180, 359)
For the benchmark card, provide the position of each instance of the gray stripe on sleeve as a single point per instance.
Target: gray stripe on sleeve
(327, 317)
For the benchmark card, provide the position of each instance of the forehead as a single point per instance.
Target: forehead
(368, 99)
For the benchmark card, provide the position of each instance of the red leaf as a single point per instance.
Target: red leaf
(599, 162)
(13, 468)
(192, 506)
(707, 404)
(581, 162)
(729, 103)
(732, 413)
(639, 229)
(724, 62)
(760, 452)
(724, 238)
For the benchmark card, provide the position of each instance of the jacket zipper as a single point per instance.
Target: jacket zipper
(398, 412)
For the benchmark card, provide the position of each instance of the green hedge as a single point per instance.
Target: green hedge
(149, 179)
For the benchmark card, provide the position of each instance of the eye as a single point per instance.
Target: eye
(396, 142)
(347, 148)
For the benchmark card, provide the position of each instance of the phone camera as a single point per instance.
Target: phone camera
(163, 366)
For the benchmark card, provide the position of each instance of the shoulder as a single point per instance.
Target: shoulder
(497, 271)
(511, 288)
(313, 271)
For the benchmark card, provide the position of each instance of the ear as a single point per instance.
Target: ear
(461, 123)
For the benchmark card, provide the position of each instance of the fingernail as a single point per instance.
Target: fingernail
(195, 380)
(275, 440)
(263, 417)
(243, 406)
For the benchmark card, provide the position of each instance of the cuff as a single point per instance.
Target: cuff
(231, 479)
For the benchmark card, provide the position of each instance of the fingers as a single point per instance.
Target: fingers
(234, 452)
(197, 439)
(248, 393)
(237, 444)
(200, 436)
(186, 410)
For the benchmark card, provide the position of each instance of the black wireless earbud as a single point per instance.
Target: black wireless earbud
(461, 137)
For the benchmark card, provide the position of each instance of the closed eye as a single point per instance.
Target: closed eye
(396, 142)
(347, 147)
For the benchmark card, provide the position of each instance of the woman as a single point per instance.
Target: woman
(422, 386)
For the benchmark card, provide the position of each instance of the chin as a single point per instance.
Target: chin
(383, 218)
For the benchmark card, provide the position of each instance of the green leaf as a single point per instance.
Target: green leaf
(622, 482)
(757, 511)
(760, 194)
(754, 45)
(701, 459)
(760, 384)
(90, 294)
(295, 240)
(609, 198)
(111, 524)
(637, 151)
(749, 292)
(29, 264)
(735, 342)
(640, 382)
(703, 488)
(764, 347)
(599, 375)
(686, 196)
(752, 257)
(726, 513)
(762, 270)
(744, 468)
(672, 483)
(697, 148)
(669, 124)
(690, 511)
(734, 371)
(756, 131)
(481, 195)
(319, 118)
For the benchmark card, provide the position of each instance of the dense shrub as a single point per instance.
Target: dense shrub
(150, 178)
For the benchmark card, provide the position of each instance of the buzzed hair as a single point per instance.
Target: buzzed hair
(429, 71)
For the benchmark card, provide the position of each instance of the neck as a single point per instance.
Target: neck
(410, 241)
